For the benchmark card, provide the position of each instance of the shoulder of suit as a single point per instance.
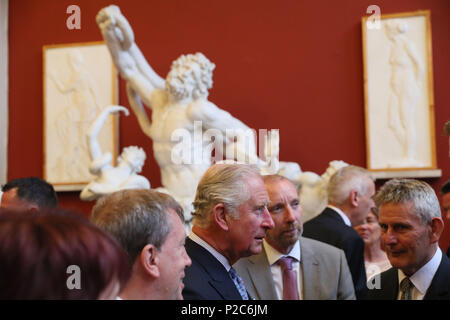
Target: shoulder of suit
(320, 247)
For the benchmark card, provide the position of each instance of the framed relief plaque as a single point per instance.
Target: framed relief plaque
(79, 81)
(398, 92)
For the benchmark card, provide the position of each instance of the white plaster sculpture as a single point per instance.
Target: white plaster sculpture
(312, 187)
(405, 78)
(313, 190)
(178, 105)
(110, 179)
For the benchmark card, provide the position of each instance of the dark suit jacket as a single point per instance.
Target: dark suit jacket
(439, 288)
(207, 278)
(329, 227)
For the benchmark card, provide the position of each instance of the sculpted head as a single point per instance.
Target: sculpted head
(134, 156)
(190, 77)
(395, 28)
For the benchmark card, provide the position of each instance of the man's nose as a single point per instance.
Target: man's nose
(187, 259)
(389, 237)
(267, 220)
(289, 215)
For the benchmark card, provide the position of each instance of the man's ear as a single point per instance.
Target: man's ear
(437, 227)
(149, 260)
(353, 197)
(220, 216)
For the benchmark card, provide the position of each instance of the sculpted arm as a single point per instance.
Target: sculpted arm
(126, 55)
(94, 147)
(213, 117)
(240, 140)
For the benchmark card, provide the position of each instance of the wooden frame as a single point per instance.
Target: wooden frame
(3, 91)
(398, 92)
(79, 81)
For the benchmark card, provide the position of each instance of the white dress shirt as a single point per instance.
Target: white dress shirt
(273, 256)
(422, 278)
(341, 214)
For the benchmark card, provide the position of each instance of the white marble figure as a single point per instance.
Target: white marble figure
(405, 78)
(110, 179)
(80, 110)
(176, 104)
(313, 190)
(312, 187)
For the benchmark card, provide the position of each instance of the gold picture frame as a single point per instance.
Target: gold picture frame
(79, 81)
(398, 92)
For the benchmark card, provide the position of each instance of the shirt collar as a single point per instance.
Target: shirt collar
(341, 214)
(273, 255)
(214, 252)
(422, 278)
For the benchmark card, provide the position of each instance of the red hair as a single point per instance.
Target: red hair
(36, 249)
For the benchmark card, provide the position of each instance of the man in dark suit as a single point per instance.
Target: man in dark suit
(445, 192)
(350, 193)
(411, 225)
(230, 222)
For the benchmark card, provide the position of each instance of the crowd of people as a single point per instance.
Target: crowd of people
(247, 242)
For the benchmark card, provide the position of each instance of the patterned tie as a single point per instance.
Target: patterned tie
(290, 291)
(239, 283)
(406, 287)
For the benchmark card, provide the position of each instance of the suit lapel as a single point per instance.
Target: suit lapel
(310, 273)
(439, 286)
(259, 272)
(218, 275)
(389, 284)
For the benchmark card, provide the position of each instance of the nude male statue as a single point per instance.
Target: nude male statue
(178, 102)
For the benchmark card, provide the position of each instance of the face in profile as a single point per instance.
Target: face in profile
(249, 229)
(365, 204)
(173, 259)
(286, 213)
(370, 230)
(407, 240)
(446, 205)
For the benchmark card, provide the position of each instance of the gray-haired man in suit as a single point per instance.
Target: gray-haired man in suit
(315, 270)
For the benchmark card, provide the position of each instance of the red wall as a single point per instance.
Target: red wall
(291, 64)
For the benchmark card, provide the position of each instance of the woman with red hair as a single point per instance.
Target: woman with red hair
(58, 255)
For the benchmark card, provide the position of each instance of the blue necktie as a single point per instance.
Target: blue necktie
(239, 283)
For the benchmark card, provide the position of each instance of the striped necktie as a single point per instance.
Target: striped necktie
(406, 287)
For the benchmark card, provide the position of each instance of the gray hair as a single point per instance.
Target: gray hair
(222, 183)
(422, 196)
(346, 179)
(136, 218)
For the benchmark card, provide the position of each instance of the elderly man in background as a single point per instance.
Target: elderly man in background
(411, 224)
(350, 193)
(149, 225)
(230, 222)
(291, 267)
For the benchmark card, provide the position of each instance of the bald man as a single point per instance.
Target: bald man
(318, 271)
